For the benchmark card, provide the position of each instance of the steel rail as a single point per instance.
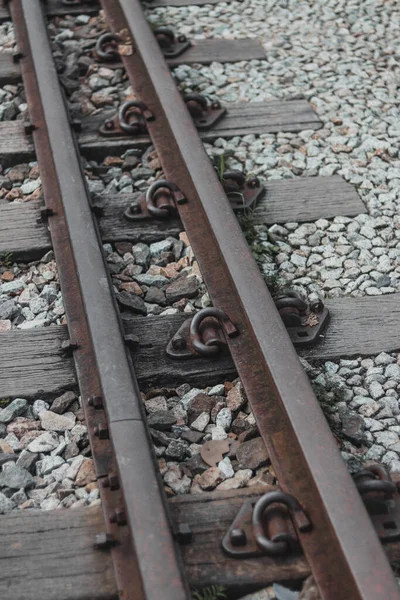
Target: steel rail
(342, 547)
(145, 560)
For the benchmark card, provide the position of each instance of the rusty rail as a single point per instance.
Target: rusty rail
(342, 547)
(145, 561)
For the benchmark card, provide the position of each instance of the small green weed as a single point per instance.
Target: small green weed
(6, 259)
(214, 592)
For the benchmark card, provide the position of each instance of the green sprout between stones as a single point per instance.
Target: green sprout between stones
(214, 592)
(6, 259)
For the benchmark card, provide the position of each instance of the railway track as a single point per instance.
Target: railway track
(140, 539)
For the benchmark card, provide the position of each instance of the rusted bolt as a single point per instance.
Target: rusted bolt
(101, 431)
(111, 481)
(135, 208)
(17, 55)
(184, 534)
(29, 128)
(118, 517)
(109, 125)
(179, 343)
(68, 347)
(238, 537)
(254, 183)
(104, 540)
(96, 402)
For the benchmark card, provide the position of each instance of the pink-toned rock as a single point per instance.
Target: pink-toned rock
(252, 454)
(5, 448)
(132, 287)
(170, 271)
(211, 478)
(86, 473)
(236, 398)
(5, 325)
(22, 425)
(154, 270)
(7, 276)
(240, 479)
(217, 407)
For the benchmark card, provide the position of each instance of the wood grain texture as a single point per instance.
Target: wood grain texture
(32, 365)
(300, 199)
(205, 52)
(55, 7)
(20, 231)
(209, 516)
(15, 146)
(308, 199)
(10, 71)
(201, 52)
(360, 326)
(241, 119)
(51, 556)
(114, 227)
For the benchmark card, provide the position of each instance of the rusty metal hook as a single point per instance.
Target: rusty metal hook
(375, 478)
(103, 41)
(165, 36)
(166, 209)
(142, 113)
(197, 104)
(213, 346)
(296, 512)
(236, 176)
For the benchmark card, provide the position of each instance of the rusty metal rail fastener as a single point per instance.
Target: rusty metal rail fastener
(145, 560)
(342, 547)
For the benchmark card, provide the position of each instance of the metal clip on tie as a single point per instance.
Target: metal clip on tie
(106, 47)
(213, 346)
(296, 512)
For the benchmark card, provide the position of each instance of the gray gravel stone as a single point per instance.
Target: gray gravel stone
(16, 478)
(6, 505)
(54, 422)
(39, 406)
(62, 403)
(16, 408)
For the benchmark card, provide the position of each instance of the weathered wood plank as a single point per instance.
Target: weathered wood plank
(360, 326)
(308, 199)
(51, 556)
(286, 200)
(114, 227)
(20, 231)
(201, 52)
(300, 199)
(241, 119)
(206, 51)
(9, 70)
(55, 7)
(32, 365)
(15, 146)
(209, 516)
